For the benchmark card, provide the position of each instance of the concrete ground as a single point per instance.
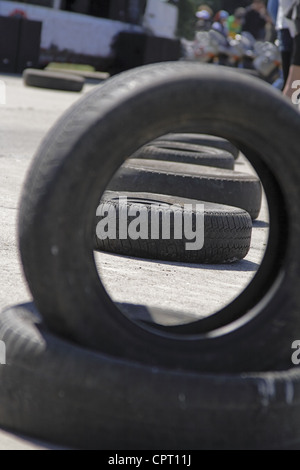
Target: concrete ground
(164, 290)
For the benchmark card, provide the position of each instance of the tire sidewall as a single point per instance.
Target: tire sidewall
(175, 99)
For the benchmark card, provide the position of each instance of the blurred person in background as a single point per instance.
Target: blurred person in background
(235, 22)
(278, 9)
(255, 20)
(203, 20)
(292, 87)
(205, 7)
(220, 22)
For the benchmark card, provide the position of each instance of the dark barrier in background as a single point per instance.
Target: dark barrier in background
(19, 44)
(135, 49)
(29, 44)
(9, 41)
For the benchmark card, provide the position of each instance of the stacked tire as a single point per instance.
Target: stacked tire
(78, 372)
(170, 174)
(176, 174)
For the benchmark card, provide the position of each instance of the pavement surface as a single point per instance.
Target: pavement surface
(161, 289)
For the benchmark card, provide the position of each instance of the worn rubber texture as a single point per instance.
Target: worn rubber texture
(202, 139)
(53, 80)
(56, 391)
(71, 170)
(222, 234)
(204, 183)
(186, 153)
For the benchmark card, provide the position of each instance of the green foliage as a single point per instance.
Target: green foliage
(186, 18)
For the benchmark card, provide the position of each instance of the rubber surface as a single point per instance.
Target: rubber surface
(203, 183)
(53, 390)
(53, 80)
(186, 153)
(58, 207)
(205, 233)
(202, 139)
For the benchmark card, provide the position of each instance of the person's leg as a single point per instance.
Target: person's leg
(286, 49)
(292, 86)
(286, 62)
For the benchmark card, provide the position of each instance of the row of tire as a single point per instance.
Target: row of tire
(78, 372)
(179, 170)
(167, 166)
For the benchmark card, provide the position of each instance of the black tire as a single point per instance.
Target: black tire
(202, 139)
(56, 391)
(202, 183)
(58, 207)
(53, 80)
(186, 153)
(223, 232)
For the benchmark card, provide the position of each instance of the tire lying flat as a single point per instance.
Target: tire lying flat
(202, 139)
(58, 207)
(53, 390)
(53, 80)
(222, 233)
(198, 182)
(186, 153)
